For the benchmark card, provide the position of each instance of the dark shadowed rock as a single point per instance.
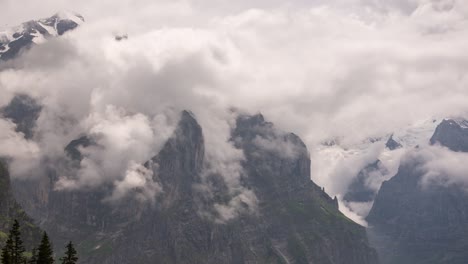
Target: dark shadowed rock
(24, 112)
(359, 190)
(73, 148)
(452, 134)
(392, 144)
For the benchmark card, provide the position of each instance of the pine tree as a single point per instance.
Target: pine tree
(70, 255)
(33, 259)
(45, 253)
(7, 252)
(18, 247)
(13, 252)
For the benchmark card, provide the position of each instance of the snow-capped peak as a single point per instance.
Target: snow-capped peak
(13, 40)
(70, 15)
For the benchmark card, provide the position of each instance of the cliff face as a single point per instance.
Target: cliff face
(292, 220)
(412, 223)
(302, 222)
(11, 210)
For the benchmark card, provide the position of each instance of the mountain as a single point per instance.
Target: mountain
(14, 40)
(273, 213)
(412, 223)
(359, 189)
(289, 219)
(11, 210)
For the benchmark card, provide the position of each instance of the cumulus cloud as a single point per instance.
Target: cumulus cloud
(279, 144)
(138, 183)
(24, 154)
(443, 167)
(321, 69)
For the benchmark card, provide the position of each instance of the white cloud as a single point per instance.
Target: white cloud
(24, 154)
(322, 69)
(441, 166)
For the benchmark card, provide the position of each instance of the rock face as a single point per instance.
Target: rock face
(359, 190)
(392, 144)
(11, 210)
(15, 40)
(292, 220)
(412, 223)
(452, 134)
(23, 111)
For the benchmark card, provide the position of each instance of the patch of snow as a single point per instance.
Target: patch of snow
(38, 38)
(6, 36)
(463, 123)
(418, 133)
(335, 165)
(52, 31)
(7, 47)
(69, 15)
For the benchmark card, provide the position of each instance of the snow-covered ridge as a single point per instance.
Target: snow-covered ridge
(463, 123)
(333, 158)
(14, 39)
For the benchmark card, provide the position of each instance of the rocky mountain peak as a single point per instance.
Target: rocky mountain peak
(452, 134)
(15, 39)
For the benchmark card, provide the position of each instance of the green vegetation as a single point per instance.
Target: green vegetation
(10, 210)
(70, 255)
(45, 254)
(297, 250)
(14, 251)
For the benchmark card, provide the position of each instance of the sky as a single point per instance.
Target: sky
(326, 70)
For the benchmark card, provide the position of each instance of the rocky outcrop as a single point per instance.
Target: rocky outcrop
(392, 144)
(452, 134)
(24, 112)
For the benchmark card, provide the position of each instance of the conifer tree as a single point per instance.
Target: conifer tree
(7, 252)
(45, 252)
(70, 255)
(18, 247)
(33, 259)
(13, 252)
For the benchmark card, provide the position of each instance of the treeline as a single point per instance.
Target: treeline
(14, 251)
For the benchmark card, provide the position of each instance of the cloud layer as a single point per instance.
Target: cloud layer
(321, 69)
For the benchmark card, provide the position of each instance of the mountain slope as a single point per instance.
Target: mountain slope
(415, 223)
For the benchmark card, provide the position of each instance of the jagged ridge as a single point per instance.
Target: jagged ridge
(14, 40)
